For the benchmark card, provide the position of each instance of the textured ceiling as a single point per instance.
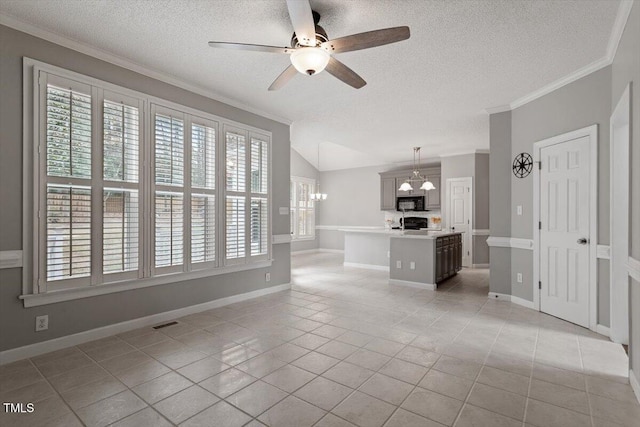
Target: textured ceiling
(428, 91)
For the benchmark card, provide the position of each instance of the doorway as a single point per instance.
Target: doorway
(619, 219)
(565, 227)
(459, 213)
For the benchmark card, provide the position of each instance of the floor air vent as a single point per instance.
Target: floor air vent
(165, 325)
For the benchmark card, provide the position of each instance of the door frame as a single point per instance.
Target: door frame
(471, 208)
(592, 133)
(619, 321)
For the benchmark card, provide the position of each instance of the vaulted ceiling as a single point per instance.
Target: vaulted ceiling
(430, 91)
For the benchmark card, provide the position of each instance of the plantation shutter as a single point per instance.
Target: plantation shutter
(169, 148)
(236, 197)
(67, 196)
(259, 216)
(121, 170)
(203, 186)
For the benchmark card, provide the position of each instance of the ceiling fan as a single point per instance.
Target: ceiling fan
(311, 51)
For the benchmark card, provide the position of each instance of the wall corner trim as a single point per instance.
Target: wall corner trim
(635, 385)
(633, 265)
(603, 252)
(43, 347)
(11, 259)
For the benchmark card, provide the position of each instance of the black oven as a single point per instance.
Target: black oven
(410, 203)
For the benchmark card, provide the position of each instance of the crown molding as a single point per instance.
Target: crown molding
(103, 55)
(624, 9)
(498, 109)
(462, 153)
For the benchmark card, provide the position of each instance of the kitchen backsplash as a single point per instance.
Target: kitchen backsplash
(395, 217)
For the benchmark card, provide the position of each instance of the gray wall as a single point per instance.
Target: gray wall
(16, 322)
(625, 69)
(353, 198)
(579, 104)
(500, 200)
(302, 168)
(477, 167)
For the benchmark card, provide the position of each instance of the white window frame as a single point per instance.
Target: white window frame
(34, 290)
(295, 210)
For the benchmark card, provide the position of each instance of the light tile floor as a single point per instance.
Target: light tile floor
(342, 348)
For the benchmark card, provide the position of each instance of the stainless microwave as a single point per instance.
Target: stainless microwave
(410, 203)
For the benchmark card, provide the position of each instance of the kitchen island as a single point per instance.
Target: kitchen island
(419, 258)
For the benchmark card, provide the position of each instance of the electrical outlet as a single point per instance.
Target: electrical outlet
(412, 265)
(519, 277)
(42, 323)
(267, 277)
(388, 254)
(398, 264)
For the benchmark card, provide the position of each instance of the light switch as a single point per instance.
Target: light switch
(519, 209)
(398, 264)
(412, 265)
(519, 277)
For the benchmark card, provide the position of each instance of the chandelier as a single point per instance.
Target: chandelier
(416, 177)
(318, 195)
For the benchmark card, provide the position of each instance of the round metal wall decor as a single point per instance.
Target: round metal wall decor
(522, 165)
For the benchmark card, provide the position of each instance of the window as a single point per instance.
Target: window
(246, 202)
(302, 208)
(113, 204)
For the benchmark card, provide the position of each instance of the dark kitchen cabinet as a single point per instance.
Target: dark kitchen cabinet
(448, 256)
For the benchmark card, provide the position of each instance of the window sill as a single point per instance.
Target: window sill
(52, 297)
(302, 239)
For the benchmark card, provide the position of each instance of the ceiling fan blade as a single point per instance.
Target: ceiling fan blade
(251, 47)
(340, 71)
(302, 20)
(283, 78)
(367, 40)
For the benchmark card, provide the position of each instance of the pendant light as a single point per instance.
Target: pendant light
(318, 196)
(416, 177)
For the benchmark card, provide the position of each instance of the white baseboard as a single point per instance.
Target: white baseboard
(523, 302)
(499, 297)
(419, 285)
(516, 300)
(367, 266)
(603, 330)
(36, 349)
(634, 384)
(332, 251)
(305, 251)
(479, 265)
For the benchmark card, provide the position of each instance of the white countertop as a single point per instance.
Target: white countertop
(409, 234)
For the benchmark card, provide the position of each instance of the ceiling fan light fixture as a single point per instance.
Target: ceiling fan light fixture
(310, 60)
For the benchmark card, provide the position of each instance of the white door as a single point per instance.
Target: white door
(564, 230)
(459, 209)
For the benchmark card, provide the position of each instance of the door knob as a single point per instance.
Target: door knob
(583, 241)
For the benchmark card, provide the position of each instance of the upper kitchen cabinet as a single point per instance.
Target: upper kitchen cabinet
(390, 183)
(387, 193)
(432, 199)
